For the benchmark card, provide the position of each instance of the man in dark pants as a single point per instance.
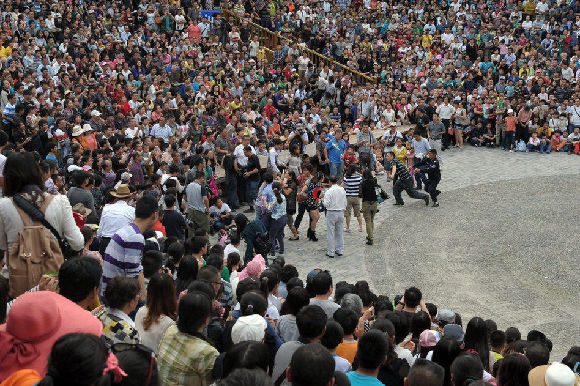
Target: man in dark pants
(430, 165)
(403, 181)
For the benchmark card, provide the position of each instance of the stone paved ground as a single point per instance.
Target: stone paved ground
(502, 245)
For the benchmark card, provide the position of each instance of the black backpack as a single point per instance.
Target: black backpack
(262, 244)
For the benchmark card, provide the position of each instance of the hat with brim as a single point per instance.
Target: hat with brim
(87, 128)
(122, 191)
(37, 320)
(77, 130)
(81, 209)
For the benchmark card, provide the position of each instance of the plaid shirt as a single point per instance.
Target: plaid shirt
(185, 360)
(117, 329)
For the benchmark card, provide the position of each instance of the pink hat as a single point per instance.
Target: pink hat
(254, 268)
(35, 322)
(428, 338)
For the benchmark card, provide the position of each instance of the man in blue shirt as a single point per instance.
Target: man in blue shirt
(334, 150)
(371, 352)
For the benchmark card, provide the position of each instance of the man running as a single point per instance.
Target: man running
(403, 181)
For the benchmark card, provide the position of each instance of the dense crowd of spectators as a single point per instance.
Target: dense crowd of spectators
(132, 132)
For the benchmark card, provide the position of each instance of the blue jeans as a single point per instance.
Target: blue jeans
(232, 183)
(336, 170)
(545, 146)
(251, 192)
(276, 234)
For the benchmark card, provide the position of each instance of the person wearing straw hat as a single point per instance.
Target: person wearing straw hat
(115, 216)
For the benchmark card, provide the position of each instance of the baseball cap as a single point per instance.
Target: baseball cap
(454, 331)
(251, 327)
(95, 113)
(446, 316)
(428, 338)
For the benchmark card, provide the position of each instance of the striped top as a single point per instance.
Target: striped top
(123, 254)
(352, 185)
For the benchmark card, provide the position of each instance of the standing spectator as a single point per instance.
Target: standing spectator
(333, 152)
(173, 220)
(197, 204)
(352, 185)
(369, 203)
(335, 203)
(115, 216)
(125, 250)
(278, 220)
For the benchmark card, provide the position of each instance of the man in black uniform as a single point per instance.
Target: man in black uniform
(430, 165)
(403, 181)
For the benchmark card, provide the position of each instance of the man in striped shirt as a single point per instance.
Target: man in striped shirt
(351, 184)
(125, 250)
(403, 181)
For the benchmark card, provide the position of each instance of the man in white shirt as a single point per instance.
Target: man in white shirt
(273, 162)
(115, 216)
(335, 203)
(161, 130)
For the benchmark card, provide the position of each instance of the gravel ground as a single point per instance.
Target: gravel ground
(506, 251)
(503, 244)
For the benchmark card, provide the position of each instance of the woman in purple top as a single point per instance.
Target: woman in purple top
(136, 170)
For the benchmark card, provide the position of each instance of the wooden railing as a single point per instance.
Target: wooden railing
(271, 40)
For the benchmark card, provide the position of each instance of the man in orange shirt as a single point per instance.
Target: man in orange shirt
(510, 131)
(348, 319)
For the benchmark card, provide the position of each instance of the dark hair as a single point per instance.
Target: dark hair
(382, 304)
(253, 303)
(269, 279)
(120, 291)
(295, 282)
(348, 319)
(420, 322)
(536, 336)
(197, 244)
(491, 326)
(401, 325)
(372, 349)
(476, 339)
(572, 357)
(276, 188)
(321, 283)
(146, 207)
(3, 138)
(444, 353)
(21, 170)
(413, 297)
(140, 366)
(466, 368)
(332, 335)
(194, 310)
(513, 371)
(161, 299)
(201, 286)
(343, 288)
(76, 359)
(512, 334)
(311, 321)
(152, 262)
(497, 339)
(169, 200)
(311, 365)
(186, 273)
(426, 373)
(247, 285)
(295, 300)
(432, 308)
(233, 258)
(246, 355)
(288, 272)
(245, 377)
(207, 273)
(175, 253)
(78, 277)
(538, 354)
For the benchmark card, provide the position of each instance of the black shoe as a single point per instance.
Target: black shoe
(313, 236)
(427, 201)
(435, 204)
(398, 204)
(338, 254)
(369, 242)
(327, 255)
(250, 210)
